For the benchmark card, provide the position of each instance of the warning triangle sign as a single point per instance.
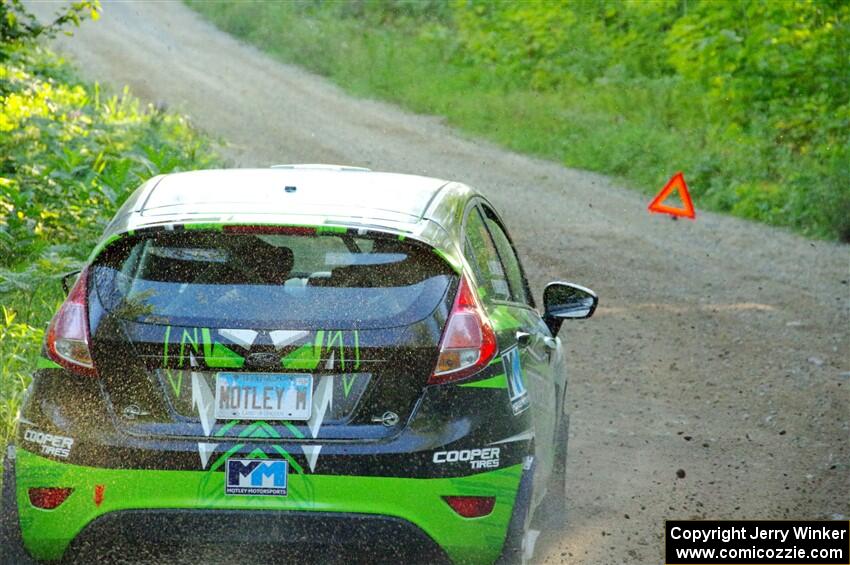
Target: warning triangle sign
(677, 183)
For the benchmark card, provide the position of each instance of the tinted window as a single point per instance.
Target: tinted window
(482, 252)
(509, 258)
(269, 281)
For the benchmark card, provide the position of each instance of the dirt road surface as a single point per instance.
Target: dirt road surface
(721, 347)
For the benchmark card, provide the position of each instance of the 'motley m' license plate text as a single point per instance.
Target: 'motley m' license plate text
(263, 396)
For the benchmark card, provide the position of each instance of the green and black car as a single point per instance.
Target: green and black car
(305, 356)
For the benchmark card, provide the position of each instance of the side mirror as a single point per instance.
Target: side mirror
(563, 300)
(68, 281)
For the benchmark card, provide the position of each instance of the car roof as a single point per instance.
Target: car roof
(291, 190)
(422, 208)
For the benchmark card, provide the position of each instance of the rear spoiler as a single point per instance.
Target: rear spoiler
(447, 252)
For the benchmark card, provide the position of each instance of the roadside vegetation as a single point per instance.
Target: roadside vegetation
(69, 156)
(750, 99)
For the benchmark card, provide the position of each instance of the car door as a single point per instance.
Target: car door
(524, 339)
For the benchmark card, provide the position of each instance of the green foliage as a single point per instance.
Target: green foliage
(18, 25)
(377, 11)
(28, 298)
(69, 156)
(748, 97)
(18, 340)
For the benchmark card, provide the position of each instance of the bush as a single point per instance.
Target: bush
(69, 156)
(18, 25)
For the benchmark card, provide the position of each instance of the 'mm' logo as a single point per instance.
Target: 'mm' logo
(256, 477)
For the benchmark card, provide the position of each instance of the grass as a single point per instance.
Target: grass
(640, 129)
(69, 157)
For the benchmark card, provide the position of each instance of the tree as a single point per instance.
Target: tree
(19, 25)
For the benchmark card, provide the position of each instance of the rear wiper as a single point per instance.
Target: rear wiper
(351, 244)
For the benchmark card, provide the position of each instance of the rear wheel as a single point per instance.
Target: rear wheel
(11, 546)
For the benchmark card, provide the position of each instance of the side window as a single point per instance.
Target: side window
(481, 251)
(509, 258)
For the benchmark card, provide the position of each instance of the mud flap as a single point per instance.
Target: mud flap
(555, 507)
(514, 549)
(11, 545)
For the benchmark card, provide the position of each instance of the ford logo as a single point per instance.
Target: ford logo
(263, 359)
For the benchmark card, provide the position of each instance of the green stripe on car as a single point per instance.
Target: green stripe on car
(419, 501)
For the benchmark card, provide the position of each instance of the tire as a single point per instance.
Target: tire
(12, 550)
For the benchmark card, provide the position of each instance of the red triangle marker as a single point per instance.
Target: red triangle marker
(676, 183)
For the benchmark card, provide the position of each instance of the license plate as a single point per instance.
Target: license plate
(263, 396)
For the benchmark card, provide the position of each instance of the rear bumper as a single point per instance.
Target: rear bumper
(316, 537)
(316, 508)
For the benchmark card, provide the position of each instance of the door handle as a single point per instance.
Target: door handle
(522, 338)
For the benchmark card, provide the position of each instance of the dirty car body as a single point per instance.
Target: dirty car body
(313, 356)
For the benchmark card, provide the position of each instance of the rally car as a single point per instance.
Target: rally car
(308, 357)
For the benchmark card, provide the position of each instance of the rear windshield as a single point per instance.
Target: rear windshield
(268, 281)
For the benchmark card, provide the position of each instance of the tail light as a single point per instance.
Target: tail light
(68, 334)
(48, 498)
(471, 506)
(468, 342)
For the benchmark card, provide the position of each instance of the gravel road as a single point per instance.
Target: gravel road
(721, 347)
